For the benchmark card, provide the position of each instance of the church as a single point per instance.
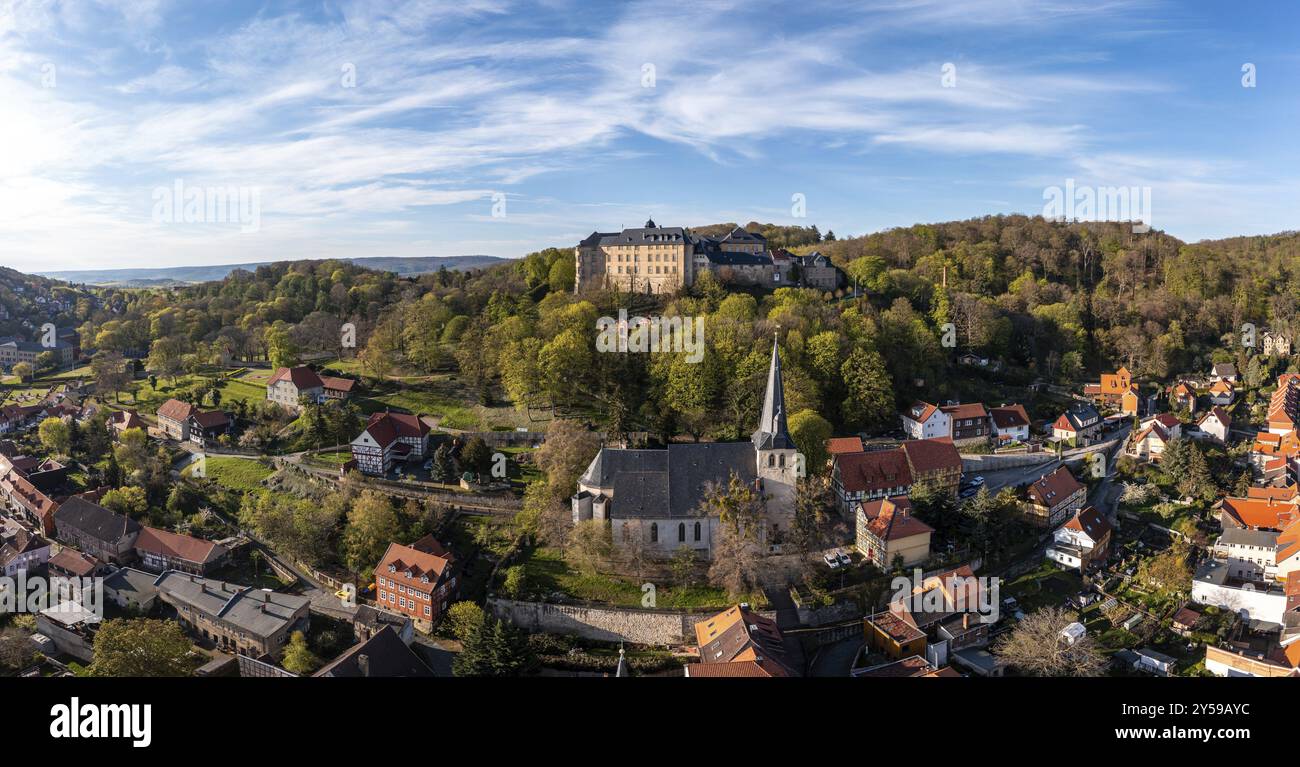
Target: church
(654, 495)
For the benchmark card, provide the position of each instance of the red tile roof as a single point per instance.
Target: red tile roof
(338, 384)
(386, 427)
(426, 555)
(1009, 416)
(302, 377)
(177, 546)
(837, 445)
(927, 455)
(176, 410)
(1052, 489)
(1091, 522)
(873, 471)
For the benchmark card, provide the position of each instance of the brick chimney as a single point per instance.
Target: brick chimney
(363, 664)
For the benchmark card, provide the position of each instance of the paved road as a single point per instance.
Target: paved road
(1022, 475)
(836, 660)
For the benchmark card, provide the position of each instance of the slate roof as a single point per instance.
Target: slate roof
(260, 613)
(94, 520)
(667, 483)
(386, 655)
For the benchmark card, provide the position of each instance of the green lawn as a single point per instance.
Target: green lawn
(235, 473)
(546, 571)
(333, 458)
(242, 390)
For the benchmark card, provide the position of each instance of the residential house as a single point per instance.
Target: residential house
(287, 387)
(1223, 393)
(875, 474)
(887, 534)
(1284, 404)
(21, 551)
(1224, 661)
(389, 438)
(1010, 423)
(70, 563)
(417, 580)
(1082, 541)
(121, 420)
(28, 501)
(206, 427)
(841, 445)
(368, 621)
(1053, 498)
(16, 418)
(1182, 395)
(161, 550)
(131, 589)
(1115, 390)
(334, 388)
(1149, 441)
(1276, 344)
(1275, 456)
(739, 642)
(382, 655)
(96, 531)
(925, 421)
(174, 419)
(1213, 584)
(943, 618)
(970, 423)
(1217, 424)
(239, 619)
(1078, 427)
(1223, 371)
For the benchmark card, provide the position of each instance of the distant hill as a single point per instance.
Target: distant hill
(187, 275)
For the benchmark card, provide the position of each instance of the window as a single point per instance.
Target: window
(654, 532)
(697, 531)
(681, 532)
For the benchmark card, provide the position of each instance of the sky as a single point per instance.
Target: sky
(347, 129)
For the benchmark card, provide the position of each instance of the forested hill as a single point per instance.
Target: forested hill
(1047, 300)
(182, 275)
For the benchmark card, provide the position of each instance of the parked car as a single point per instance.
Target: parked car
(843, 557)
(832, 560)
(977, 480)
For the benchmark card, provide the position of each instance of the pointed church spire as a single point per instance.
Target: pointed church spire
(772, 432)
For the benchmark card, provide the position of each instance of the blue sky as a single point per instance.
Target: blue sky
(456, 104)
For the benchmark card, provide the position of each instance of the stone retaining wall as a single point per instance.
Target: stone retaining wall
(607, 624)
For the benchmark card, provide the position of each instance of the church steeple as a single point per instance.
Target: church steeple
(772, 432)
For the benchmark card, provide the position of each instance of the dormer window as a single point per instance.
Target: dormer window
(424, 579)
(392, 568)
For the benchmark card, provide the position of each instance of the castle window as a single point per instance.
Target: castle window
(654, 532)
